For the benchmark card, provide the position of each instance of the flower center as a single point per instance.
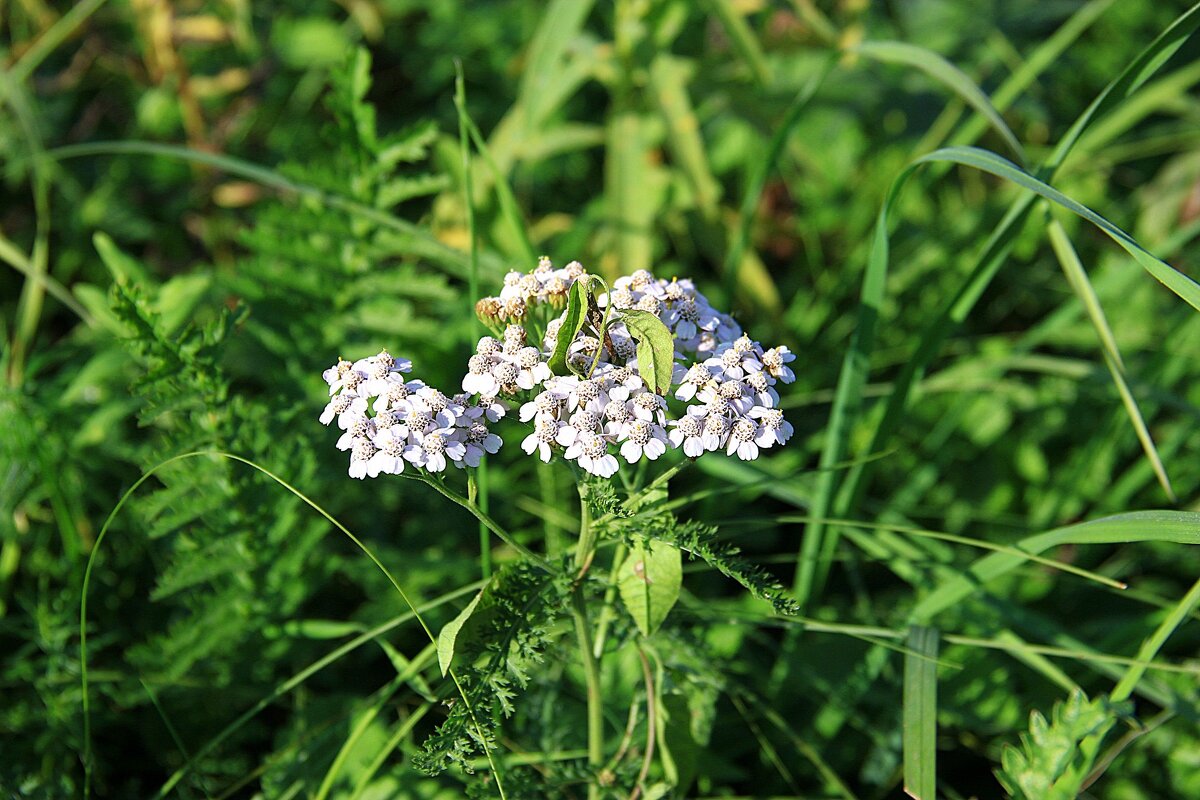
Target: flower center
(434, 444)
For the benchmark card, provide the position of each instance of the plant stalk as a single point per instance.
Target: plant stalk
(584, 552)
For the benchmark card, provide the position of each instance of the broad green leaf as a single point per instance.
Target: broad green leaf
(920, 714)
(649, 583)
(655, 349)
(577, 303)
(449, 634)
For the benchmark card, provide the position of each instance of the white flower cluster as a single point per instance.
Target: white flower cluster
(691, 319)
(410, 421)
(504, 367)
(738, 410)
(586, 415)
(604, 405)
(523, 291)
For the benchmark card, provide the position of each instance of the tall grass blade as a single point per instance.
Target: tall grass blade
(1077, 277)
(920, 714)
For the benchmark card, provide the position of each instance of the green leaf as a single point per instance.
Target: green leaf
(649, 583)
(577, 303)
(920, 714)
(449, 634)
(655, 348)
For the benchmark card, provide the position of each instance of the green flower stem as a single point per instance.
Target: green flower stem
(492, 525)
(584, 552)
(610, 598)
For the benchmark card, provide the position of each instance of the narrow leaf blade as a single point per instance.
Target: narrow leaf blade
(920, 714)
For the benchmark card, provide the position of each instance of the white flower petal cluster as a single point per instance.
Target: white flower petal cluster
(601, 410)
(736, 389)
(410, 422)
(504, 367)
(585, 416)
(696, 325)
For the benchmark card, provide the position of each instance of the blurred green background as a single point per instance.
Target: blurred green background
(205, 203)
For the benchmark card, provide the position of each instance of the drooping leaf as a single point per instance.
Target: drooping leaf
(449, 634)
(577, 304)
(655, 349)
(649, 583)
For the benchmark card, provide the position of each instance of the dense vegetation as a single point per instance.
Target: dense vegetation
(988, 493)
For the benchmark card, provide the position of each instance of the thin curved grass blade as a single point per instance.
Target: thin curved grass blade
(950, 76)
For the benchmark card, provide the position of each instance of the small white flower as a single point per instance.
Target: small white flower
(479, 440)
(687, 434)
(390, 457)
(591, 452)
(582, 422)
(493, 409)
(735, 393)
(335, 373)
(378, 369)
(360, 427)
(479, 378)
(730, 362)
(715, 433)
(775, 361)
(432, 448)
(548, 403)
(360, 459)
(774, 428)
(741, 439)
(532, 369)
(692, 380)
(488, 347)
(762, 387)
(545, 434)
(644, 437)
(395, 395)
(346, 407)
(348, 380)
(650, 407)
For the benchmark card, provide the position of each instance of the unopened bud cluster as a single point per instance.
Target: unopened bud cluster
(600, 410)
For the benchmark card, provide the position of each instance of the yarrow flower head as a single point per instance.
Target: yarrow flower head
(580, 392)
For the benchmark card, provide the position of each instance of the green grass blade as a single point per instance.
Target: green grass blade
(1148, 62)
(510, 212)
(561, 22)
(1090, 747)
(920, 714)
(742, 38)
(1077, 277)
(987, 161)
(1180, 527)
(990, 260)
(981, 544)
(950, 76)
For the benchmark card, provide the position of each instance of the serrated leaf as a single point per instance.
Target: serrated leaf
(649, 583)
(577, 303)
(449, 634)
(655, 349)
